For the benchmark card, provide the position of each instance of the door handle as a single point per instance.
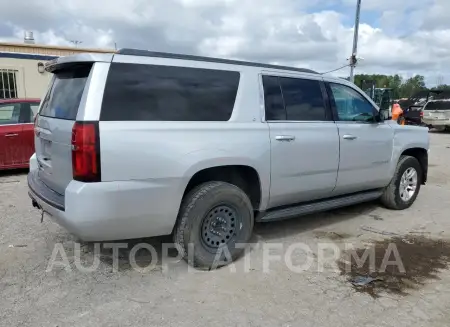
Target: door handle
(349, 137)
(287, 138)
(11, 135)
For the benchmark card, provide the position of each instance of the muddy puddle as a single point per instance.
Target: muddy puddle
(335, 236)
(397, 265)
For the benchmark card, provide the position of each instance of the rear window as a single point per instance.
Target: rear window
(64, 94)
(438, 105)
(136, 92)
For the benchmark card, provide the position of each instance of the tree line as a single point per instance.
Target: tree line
(401, 88)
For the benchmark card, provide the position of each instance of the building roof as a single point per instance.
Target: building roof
(45, 50)
(15, 100)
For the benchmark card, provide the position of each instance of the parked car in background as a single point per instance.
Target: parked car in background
(17, 132)
(436, 113)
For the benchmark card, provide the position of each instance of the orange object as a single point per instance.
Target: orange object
(397, 111)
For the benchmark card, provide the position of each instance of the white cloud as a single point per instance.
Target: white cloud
(287, 32)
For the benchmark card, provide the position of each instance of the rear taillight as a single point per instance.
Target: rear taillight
(86, 152)
(421, 113)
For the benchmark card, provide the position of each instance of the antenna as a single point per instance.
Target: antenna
(76, 42)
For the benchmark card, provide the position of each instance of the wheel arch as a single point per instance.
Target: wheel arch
(243, 176)
(421, 155)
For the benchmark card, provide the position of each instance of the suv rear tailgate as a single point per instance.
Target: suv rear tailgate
(437, 109)
(53, 127)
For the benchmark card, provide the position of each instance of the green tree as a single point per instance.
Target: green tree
(412, 85)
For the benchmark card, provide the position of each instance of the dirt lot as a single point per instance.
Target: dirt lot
(250, 295)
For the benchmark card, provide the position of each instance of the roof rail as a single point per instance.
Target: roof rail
(146, 53)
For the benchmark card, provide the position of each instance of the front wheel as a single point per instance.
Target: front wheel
(404, 187)
(214, 224)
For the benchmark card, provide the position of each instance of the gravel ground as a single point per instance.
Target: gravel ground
(246, 294)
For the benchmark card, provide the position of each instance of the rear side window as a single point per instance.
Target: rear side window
(303, 99)
(294, 99)
(34, 109)
(273, 99)
(136, 92)
(64, 94)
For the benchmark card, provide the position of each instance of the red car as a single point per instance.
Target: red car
(17, 132)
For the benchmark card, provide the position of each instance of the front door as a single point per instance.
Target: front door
(366, 144)
(304, 140)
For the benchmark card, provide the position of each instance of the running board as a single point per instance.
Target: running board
(324, 205)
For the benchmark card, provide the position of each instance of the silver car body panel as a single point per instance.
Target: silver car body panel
(146, 165)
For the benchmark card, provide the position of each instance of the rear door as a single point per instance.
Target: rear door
(27, 114)
(10, 135)
(53, 130)
(304, 140)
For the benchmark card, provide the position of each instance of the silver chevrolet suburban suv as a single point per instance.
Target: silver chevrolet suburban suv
(139, 144)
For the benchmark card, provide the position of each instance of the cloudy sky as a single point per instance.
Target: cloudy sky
(396, 36)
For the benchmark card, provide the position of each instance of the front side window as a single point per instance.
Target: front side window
(136, 92)
(9, 113)
(351, 105)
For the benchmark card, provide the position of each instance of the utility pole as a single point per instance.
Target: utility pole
(353, 59)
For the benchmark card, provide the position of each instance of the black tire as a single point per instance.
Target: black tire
(391, 198)
(199, 211)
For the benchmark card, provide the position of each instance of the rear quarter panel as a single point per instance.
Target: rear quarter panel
(170, 153)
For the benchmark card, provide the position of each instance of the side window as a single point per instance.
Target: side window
(350, 105)
(136, 92)
(9, 113)
(26, 112)
(273, 99)
(34, 111)
(303, 99)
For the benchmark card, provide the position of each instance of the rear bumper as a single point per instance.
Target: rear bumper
(111, 210)
(436, 122)
(37, 189)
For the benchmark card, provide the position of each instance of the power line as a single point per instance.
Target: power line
(331, 71)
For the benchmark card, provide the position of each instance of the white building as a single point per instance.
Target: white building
(22, 72)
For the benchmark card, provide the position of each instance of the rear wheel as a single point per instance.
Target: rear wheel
(215, 221)
(404, 186)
